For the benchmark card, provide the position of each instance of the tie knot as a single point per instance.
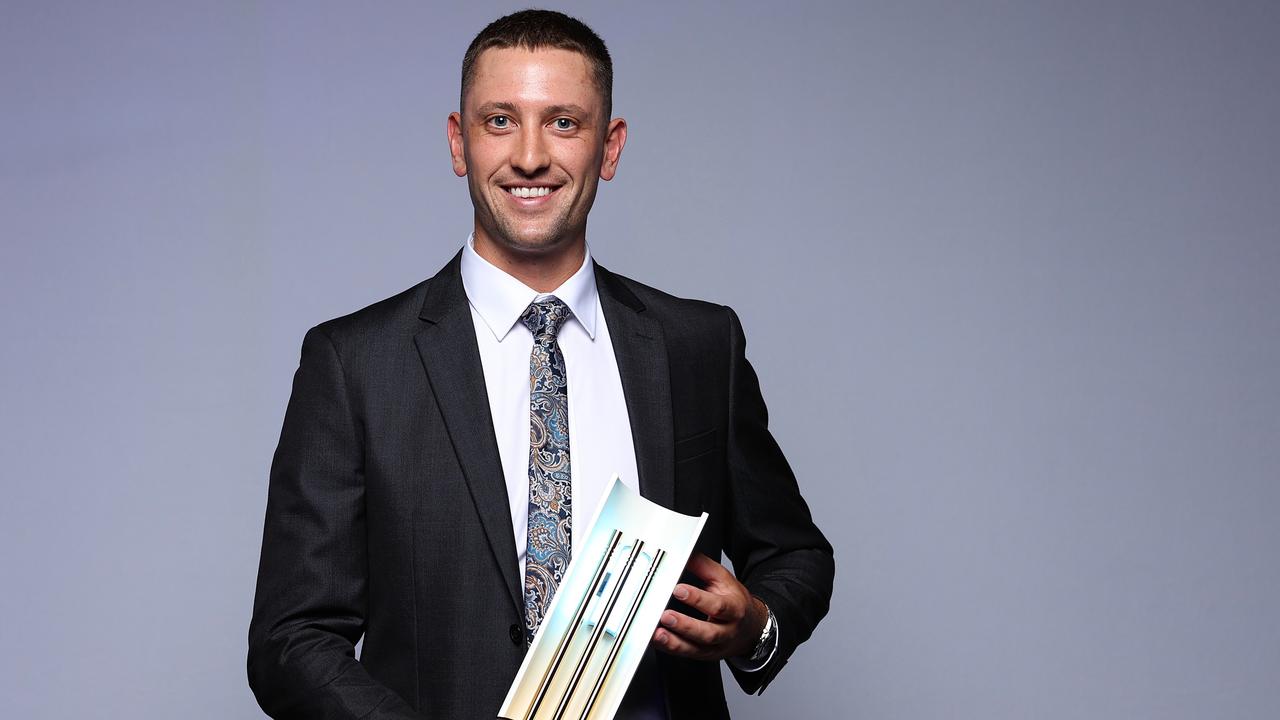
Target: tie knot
(545, 318)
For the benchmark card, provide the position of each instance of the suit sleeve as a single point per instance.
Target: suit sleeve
(309, 609)
(777, 551)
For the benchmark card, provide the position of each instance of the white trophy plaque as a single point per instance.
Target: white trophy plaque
(608, 604)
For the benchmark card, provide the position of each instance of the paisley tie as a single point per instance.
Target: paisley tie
(548, 544)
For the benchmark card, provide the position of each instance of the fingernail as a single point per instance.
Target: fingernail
(669, 620)
(680, 593)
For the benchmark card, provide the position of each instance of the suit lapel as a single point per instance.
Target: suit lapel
(641, 351)
(451, 357)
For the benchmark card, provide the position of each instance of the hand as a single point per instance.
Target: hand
(734, 621)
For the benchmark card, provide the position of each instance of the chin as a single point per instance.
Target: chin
(536, 242)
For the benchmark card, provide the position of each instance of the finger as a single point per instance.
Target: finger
(717, 606)
(706, 635)
(706, 569)
(673, 644)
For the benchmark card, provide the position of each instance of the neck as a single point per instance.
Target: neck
(543, 270)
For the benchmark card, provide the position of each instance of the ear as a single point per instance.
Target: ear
(453, 129)
(614, 138)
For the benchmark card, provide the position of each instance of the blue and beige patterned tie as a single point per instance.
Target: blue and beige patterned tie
(549, 539)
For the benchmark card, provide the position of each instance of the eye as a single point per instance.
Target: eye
(564, 123)
(500, 122)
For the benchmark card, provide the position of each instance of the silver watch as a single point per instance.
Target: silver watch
(764, 645)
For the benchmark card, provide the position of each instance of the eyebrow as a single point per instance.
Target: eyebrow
(489, 107)
(569, 109)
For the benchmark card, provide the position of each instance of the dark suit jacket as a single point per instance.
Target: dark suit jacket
(387, 514)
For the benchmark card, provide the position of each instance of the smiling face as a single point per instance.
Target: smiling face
(533, 141)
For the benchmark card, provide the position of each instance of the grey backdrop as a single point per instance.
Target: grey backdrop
(1009, 272)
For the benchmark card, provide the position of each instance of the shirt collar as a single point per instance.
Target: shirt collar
(500, 299)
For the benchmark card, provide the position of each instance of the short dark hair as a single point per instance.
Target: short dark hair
(537, 29)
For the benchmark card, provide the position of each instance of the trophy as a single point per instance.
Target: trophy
(599, 623)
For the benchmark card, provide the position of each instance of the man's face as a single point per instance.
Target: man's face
(533, 142)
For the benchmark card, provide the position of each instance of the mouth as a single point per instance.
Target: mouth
(530, 193)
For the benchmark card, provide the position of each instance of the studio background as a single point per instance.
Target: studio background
(1010, 274)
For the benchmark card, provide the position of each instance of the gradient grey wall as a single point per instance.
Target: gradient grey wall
(1010, 272)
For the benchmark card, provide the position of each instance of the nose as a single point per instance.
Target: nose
(530, 155)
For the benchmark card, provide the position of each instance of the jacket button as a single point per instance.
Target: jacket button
(516, 633)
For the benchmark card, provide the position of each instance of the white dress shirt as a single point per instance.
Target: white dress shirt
(600, 443)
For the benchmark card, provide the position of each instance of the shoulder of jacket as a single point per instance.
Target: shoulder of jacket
(396, 314)
(666, 306)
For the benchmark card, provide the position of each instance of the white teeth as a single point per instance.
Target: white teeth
(529, 192)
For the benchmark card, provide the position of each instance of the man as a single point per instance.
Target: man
(443, 447)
